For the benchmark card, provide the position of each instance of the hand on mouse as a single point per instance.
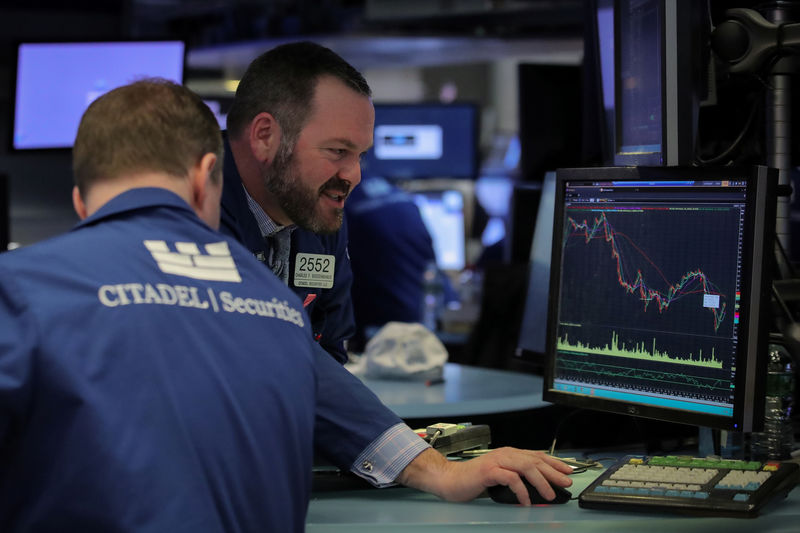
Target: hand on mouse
(465, 480)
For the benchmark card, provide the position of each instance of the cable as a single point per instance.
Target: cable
(786, 258)
(736, 142)
(435, 436)
(558, 428)
(782, 304)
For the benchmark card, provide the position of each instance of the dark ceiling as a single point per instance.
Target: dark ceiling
(224, 35)
(208, 22)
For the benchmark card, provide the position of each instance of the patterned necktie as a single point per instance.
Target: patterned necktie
(279, 243)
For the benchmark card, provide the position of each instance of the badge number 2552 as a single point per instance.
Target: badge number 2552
(314, 270)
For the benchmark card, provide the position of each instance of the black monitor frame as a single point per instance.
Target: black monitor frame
(753, 331)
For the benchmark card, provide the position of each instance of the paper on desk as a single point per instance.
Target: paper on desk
(402, 350)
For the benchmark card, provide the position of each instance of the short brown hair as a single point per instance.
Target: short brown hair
(151, 125)
(282, 81)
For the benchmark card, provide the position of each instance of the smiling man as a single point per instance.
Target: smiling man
(300, 121)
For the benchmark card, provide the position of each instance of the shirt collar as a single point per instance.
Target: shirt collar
(267, 226)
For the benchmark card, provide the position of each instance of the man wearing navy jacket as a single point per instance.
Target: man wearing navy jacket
(300, 121)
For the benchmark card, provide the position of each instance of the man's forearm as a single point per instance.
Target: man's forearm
(425, 472)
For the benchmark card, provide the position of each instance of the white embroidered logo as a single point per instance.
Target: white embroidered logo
(216, 264)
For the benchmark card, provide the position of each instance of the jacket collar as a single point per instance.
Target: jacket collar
(134, 199)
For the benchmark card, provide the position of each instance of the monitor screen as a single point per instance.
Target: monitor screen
(639, 99)
(659, 292)
(55, 82)
(660, 76)
(443, 214)
(420, 141)
(533, 330)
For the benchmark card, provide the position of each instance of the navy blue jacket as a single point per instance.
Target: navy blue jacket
(151, 380)
(143, 388)
(331, 310)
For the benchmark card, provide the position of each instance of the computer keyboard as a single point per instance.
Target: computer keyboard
(690, 485)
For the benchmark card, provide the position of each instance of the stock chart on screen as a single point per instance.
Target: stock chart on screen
(649, 295)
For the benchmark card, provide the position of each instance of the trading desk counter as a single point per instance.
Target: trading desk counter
(465, 391)
(401, 510)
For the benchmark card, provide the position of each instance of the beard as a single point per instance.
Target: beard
(298, 201)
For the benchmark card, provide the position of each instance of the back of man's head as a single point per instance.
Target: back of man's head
(152, 125)
(281, 82)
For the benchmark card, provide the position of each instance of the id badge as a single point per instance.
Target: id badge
(314, 270)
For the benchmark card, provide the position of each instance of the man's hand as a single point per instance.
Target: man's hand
(461, 481)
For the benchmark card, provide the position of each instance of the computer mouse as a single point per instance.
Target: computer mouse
(504, 494)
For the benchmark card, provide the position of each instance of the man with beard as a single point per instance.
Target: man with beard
(299, 123)
(301, 119)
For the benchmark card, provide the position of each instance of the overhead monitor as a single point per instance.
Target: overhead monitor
(55, 83)
(659, 293)
(423, 141)
(661, 59)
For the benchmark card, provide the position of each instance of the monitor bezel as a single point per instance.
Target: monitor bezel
(526, 355)
(748, 409)
(13, 80)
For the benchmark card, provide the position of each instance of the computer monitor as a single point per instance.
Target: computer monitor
(448, 208)
(443, 214)
(659, 293)
(660, 76)
(55, 82)
(422, 141)
(533, 329)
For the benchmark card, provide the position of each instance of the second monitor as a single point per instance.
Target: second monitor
(659, 293)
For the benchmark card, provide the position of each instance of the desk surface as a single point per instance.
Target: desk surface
(466, 390)
(406, 510)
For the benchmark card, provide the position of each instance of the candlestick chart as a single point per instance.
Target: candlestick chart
(649, 297)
